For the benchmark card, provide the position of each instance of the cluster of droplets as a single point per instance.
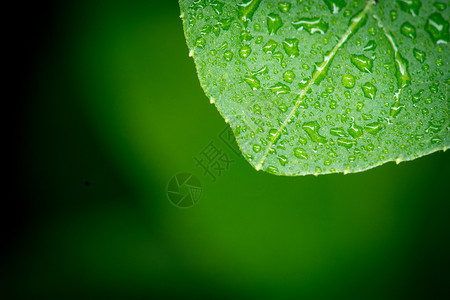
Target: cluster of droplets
(436, 27)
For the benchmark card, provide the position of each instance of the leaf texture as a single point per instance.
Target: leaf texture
(318, 87)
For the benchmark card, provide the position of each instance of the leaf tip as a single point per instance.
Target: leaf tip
(258, 167)
(191, 53)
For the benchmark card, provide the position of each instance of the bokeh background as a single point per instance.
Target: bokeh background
(112, 109)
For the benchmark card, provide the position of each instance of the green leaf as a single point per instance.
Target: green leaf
(316, 87)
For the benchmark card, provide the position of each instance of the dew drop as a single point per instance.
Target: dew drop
(410, 6)
(228, 55)
(278, 56)
(373, 128)
(440, 6)
(348, 80)
(270, 47)
(355, 131)
(417, 96)
(363, 63)
(433, 128)
(300, 153)
(437, 28)
(247, 9)
(274, 23)
(200, 42)
(273, 135)
(370, 46)
(272, 169)
(394, 15)
(338, 131)
(408, 30)
(283, 160)
(279, 88)
(282, 107)
(312, 129)
(311, 25)
(369, 90)
(284, 7)
(347, 143)
(291, 47)
(419, 55)
(245, 51)
(256, 148)
(253, 82)
(289, 76)
(335, 6)
(217, 6)
(436, 139)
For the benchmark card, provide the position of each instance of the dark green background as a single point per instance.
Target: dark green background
(115, 100)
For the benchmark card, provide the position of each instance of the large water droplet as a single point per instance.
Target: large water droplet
(348, 80)
(263, 70)
(369, 90)
(247, 9)
(291, 47)
(225, 23)
(312, 129)
(419, 55)
(394, 15)
(440, 6)
(228, 55)
(273, 135)
(433, 128)
(272, 169)
(374, 127)
(270, 47)
(363, 63)
(370, 46)
(245, 51)
(284, 7)
(200, 42)
(335, 6)
(198, 4)
(437, 27)
(311, 25)
(300, 153)
(253, 82)
(355, 131)
(338, 131)
(436, 139)
(217, 6)
(410, 6)
(279, 88)
(347, 143)
(289, 76)
(274, 23)
(408, 30)
(256, 148)
(283, 160)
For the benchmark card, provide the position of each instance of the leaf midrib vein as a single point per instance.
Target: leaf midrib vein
(327, 60)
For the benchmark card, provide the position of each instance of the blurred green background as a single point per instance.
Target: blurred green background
(116, 110)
